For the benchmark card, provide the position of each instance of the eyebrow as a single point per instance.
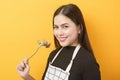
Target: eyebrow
(62, 24)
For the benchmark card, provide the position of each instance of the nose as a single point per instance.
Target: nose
(60, 32)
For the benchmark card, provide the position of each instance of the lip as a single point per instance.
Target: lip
(62, 39)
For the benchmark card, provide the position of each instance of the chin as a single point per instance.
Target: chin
(64, 45)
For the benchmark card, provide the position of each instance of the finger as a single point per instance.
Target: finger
(19, 67)
(26, 60)
(27, 66)
(22, 64)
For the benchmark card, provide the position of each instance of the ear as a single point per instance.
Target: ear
(79, 29)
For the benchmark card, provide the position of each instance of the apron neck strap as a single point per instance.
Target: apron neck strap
(73, 57)
(56, 55)
(71, 62)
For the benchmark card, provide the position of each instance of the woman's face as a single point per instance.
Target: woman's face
(66, 31)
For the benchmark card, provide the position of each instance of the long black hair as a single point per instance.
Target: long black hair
(74, 13)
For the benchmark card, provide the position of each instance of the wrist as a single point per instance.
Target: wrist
(28, 77)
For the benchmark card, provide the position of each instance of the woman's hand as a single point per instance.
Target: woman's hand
(23, 68)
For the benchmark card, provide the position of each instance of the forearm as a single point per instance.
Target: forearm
(28, 77)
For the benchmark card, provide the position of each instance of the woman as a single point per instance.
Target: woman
(73, 58)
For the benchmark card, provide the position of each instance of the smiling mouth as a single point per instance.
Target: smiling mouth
(62, 39)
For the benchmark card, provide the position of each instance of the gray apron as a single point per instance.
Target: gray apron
(55, 73)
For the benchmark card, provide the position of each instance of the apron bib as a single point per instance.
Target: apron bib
(56, 73)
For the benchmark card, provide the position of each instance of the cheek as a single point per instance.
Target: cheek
(55, 33)
(70, 32)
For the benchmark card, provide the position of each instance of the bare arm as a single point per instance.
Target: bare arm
(29, 77)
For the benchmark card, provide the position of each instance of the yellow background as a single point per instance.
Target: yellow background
(23, 22)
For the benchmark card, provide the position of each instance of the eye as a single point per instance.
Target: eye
(55, 27)
(65, 26)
